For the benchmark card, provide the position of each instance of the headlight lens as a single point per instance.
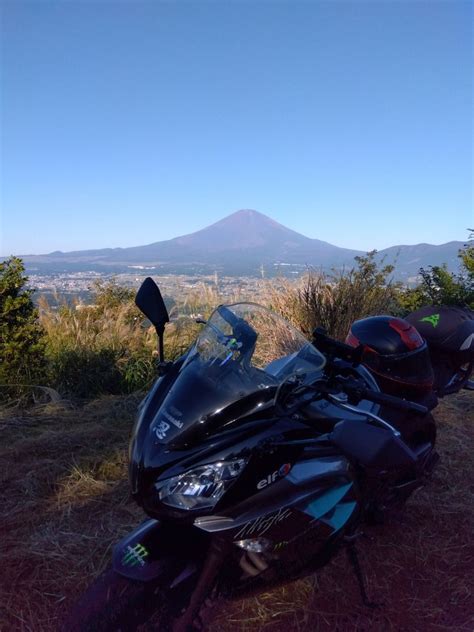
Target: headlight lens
(201, 487)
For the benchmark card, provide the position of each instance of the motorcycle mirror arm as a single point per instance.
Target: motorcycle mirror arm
(334, 349)
(160, 331)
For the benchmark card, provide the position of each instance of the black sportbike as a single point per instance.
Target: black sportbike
(257, 455)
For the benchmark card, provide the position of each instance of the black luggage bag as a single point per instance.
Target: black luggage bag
(449, 333)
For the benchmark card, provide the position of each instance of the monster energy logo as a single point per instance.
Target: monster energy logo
(135, 556)
(433, 319)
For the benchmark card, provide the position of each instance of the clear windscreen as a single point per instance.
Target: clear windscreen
(244, 348)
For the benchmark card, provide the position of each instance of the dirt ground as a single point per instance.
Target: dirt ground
(64, 502)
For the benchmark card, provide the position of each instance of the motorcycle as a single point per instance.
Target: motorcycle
(257, 456)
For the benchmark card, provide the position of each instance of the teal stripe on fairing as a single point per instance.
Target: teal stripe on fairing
(321, 505)
(341, 515)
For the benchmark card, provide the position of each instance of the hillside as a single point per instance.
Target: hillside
(239, 244)
(65, 501)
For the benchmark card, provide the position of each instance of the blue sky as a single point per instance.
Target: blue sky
(125, 123)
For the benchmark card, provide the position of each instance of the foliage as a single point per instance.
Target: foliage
(85, 373)
(335, 301)
(109, 347)
(440, 287)
(99, 348)
(466, 255)
(137, 372)
(110, 294)
(22, 359)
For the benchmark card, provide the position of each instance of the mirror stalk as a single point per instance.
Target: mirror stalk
(160, 333)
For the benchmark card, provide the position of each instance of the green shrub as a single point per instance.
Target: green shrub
(335, 301)
(137, 372)
(440, 287)
(22, 360)
(85, 373)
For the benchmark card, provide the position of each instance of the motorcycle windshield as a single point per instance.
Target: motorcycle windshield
(243, 349)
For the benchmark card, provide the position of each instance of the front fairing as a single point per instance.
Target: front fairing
(201, 391)
(242, 355)
(147, 411)
(233, 371)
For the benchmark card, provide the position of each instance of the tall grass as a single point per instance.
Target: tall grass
(103, 347)
(334, 301)
(108, 346)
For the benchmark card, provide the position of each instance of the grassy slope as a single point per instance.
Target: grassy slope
(64, 501)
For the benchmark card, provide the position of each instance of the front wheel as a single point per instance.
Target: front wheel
(116, 604)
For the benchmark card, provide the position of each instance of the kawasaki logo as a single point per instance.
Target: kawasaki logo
(135, 556)
(433, 319)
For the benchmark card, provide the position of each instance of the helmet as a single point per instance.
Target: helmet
(395, 353)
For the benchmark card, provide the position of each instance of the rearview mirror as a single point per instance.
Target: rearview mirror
(150, 302)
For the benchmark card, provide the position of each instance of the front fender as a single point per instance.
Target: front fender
(155, 549)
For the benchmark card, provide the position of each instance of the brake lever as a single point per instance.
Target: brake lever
(364, 413)
(356, 392)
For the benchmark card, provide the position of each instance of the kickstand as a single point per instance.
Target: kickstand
(354, 560)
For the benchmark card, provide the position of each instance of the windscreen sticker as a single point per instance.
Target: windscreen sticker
(161, 429)
(174, 420)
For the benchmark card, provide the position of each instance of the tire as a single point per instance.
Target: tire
(116, 604)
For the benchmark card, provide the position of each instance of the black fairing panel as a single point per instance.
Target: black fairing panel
(146, 414)
(156, 549)
(253, 438)
(372, 447)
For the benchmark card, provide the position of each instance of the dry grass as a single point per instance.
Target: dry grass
(106, 347)
(333, 302)
(65, 502)
(94, 327)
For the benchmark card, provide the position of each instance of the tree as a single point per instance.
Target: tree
(22, 359)
(466, 255)
(440, 287)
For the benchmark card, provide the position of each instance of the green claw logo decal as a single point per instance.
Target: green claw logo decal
(135, 555)
(433, 319)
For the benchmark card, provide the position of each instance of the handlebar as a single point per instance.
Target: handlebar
(360, 392)
(355, 391)
(335, 349)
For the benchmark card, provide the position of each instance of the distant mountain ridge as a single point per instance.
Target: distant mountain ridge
(242, 243)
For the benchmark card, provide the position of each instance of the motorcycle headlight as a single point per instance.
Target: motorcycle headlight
(200, 487)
